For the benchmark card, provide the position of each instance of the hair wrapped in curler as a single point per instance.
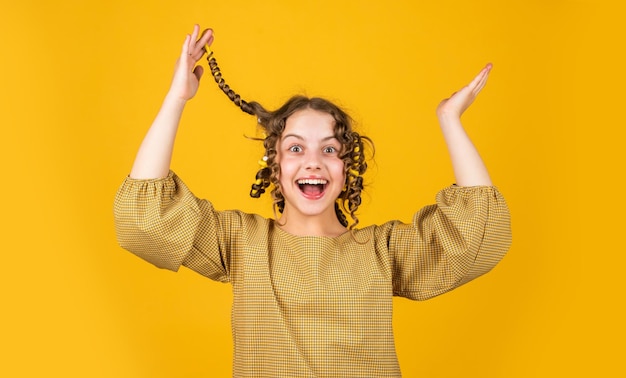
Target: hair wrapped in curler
(262, 179)
(355, 166)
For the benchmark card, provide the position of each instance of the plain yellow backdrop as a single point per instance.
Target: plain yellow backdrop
(82, 80)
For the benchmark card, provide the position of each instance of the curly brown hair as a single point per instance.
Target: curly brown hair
(353, 152)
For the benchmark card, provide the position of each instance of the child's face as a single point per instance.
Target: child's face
(311, 172)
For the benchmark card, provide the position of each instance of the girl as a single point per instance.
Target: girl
(312, 293)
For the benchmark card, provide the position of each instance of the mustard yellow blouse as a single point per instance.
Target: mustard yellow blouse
(315, 306)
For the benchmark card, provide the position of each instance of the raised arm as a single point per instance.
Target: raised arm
(155, 154)
(469, 168)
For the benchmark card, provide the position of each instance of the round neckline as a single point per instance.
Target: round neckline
(287, 233)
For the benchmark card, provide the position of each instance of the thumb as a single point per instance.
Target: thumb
(198, 71)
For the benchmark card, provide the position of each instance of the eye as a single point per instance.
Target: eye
(330, 150)
(295, 148)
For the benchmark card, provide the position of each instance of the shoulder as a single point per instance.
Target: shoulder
(243, 222)
(378, 234)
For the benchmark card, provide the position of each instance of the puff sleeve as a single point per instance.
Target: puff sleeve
(160, 220)
(464, 235)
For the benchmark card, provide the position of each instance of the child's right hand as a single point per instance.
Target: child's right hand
(187, 75)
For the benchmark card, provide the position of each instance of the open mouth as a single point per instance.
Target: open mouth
(312, 187)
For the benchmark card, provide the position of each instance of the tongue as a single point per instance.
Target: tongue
(311, 189)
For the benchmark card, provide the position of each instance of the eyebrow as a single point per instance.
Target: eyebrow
(302, 138)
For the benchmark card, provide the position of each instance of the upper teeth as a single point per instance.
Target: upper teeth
(312, 181)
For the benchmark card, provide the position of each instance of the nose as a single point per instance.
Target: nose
(313, 161)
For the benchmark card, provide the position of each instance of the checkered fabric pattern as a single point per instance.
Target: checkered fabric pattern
(315, 306)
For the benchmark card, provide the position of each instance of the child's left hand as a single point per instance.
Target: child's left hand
(461, 100)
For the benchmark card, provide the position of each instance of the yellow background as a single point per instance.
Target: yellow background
(82, 80)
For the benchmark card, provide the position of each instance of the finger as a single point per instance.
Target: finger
(192, 38)
(198, 51)
(483, 82)
(486, 71)
(480, 80)
(196, 31)
(479, 86)
(206, 38)
(185, 49)
(197, 55)
(198, 47)
(477, 79)
(203, 42)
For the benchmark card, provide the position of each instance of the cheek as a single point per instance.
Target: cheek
(338, 171)
(285, 170)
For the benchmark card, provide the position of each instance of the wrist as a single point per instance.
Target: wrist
(449, 121)
(174, 99)
(447, 116)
